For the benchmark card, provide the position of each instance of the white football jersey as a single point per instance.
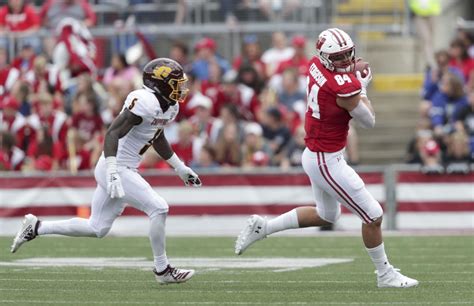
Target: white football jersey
(143, 103)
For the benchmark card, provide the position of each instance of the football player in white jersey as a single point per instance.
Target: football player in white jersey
(139, 126)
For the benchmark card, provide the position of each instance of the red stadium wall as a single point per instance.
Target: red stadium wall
(232, 194)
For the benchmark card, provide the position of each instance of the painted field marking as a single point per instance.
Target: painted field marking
(15, 302)
(277, 264)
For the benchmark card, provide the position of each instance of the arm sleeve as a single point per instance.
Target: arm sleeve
(363, 115)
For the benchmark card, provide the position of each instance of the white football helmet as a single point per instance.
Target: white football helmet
(336, 50)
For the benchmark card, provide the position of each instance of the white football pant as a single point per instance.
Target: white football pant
(334, 182)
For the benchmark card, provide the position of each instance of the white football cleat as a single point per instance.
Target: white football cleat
(27, 232)
(254, 230)
(172, 275)
(394, 279)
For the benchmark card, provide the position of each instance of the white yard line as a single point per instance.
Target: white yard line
(33, 269)
(229, 303)
(221, 282)
(275, 263)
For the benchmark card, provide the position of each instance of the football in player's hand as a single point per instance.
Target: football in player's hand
(362, 67)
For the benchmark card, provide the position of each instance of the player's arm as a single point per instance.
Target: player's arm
(119, 128)
(360, 108)
(163, 148)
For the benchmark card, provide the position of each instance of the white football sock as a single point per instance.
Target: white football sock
(76, 227)
(285, 221)
(379, 258)
(158, 241)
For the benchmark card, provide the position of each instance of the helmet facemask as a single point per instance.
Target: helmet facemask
(343, 61)
(180, 89)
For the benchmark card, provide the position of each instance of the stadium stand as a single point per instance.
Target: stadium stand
(129, 32)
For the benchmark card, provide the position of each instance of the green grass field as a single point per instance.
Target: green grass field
(443, 265)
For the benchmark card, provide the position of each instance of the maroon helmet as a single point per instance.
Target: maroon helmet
(167, 78)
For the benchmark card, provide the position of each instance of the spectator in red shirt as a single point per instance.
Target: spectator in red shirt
(12, 120)
(20, 19)
(8, 74)
(11, 157)
(251, 56)
(52, 127)
(53, 11)
(461, 60)
(202, 119)
(299, 59)
(185, 145)
(17, 16)
(233, 92)
(210, 87)
(298, 62)
(43, 79)
(87, 129)
(25, 59)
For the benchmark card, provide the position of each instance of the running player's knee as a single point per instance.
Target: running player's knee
(101, 232)
(158, 211)
(378, 213)
(330, 216)
(155, 206)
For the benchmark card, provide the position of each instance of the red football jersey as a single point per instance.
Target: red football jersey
(326, 123)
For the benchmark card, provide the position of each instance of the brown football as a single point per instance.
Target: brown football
(362, 67)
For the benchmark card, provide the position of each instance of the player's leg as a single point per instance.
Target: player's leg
(326, 212)
(343, 183)
(141, 195)
(104, 211)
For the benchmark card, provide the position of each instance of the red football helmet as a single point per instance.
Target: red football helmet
(336, 50)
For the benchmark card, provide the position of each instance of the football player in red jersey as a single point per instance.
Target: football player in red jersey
(335, 95)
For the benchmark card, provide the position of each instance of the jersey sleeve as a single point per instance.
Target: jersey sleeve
(136, 105)
(346, 85)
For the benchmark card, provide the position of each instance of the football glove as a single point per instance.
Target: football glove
(188, 176)
(114, 183)
(364, 81)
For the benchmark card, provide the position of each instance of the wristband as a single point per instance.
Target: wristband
(363, 92)
(111, 162)
(175, 162)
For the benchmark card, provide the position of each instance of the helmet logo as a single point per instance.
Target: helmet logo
(161, 72)
(320, 43)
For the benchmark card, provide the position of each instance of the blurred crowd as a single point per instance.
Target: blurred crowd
(56, 102)
(444, 140)
(58, 95)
